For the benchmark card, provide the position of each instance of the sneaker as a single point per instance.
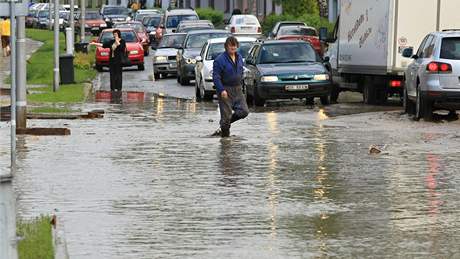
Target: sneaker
(217, 133)
(225, 133)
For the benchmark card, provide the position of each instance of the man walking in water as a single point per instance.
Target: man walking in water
(227, 76)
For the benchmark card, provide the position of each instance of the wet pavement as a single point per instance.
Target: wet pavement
(293, 181)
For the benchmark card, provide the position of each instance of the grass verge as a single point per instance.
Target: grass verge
(37, 240)
(40, 71)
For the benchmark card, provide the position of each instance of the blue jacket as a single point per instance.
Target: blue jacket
(226, 73)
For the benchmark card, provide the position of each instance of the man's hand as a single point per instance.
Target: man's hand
(224, 94)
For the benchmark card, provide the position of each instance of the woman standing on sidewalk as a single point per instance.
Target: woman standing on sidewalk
(117, 48)
(5, 36)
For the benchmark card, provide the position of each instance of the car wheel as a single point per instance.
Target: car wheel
(157, 76)
(408, 105)
(325, 100)
(178, 78)
(335, 93)
(258, 101)
(99, 68)
(206, 95)
(309, 101)
(140, 67)
(369, 92)
(184, 81)
(423, 108)
(164, 75)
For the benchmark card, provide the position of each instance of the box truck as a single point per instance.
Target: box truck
(364, 52)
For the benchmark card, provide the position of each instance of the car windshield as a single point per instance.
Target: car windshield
(174, 20)
(287, 53)
(246, 20)
(115, 11)
(193, 28)
(450, 48)
(153, 21)
(137, 27)
(128, 36)
(92, 16)
(198, 40)
(171, 41)
(43, 14)
(296, 30)
(217, 48)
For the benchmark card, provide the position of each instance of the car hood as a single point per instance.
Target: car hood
(292, 68)
(166, 52)
(98, 21)
(129, 46)
(192, 53)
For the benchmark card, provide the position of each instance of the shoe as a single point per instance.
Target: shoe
(225, 133)
(217, 133)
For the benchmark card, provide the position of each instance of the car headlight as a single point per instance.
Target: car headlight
(128, 18)
(269, 79)
(107, 19)
(190, 61)
(104, 54)
(134, 52)
(161, 59)
(321, 77)
(103, 25)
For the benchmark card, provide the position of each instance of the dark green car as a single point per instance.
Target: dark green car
(285, 69)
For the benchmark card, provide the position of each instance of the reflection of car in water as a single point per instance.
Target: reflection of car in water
(279, 69)
(204, 86)
(164, 59)
(133, 47)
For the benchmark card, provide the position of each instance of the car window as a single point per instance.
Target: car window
(295, 30)
(128, 36)
(171, 41)
(217, 48)
(450, 48)
(246, 20)
(198, 40)
(116, 11)
(173, 20)
(287, 53)
(429, 47)
(92, 16)
(422, 46)
(154, 22)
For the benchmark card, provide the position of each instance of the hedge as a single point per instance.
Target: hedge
(216, 17)
(310, 19)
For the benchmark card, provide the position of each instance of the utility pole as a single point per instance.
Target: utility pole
(71, 21)
(21, 98)
(8, 240)
(13, 82)
(50, 15)
(82, 20)
(56, 46)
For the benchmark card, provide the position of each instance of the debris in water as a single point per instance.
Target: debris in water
(374, 150)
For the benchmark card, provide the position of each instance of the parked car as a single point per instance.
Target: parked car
(274, 32)
(191, 48)
(432, 79)
(280, 69)
(244, 24)
(114, 13)
(94, 22)
(62, 16)
(299, 32)
(186, 26)
(30, 18)
(140, 14)
(133, 47)
(42, 19)
(172, 18)
(164, 59)
(67, 7)
(141, 33)
(204, 86)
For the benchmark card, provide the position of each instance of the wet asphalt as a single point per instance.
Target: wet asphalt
(293, 181)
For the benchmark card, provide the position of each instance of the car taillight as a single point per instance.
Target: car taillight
(438, 67)
(259, 29)
(395, 83)
(232, 30)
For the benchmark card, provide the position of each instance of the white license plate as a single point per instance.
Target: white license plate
(296, 87)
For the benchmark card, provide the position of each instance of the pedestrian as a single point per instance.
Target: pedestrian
(227, 76)
(117, 54)
(5, 31)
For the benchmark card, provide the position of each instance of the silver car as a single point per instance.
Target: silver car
(164, 59)
(432, 80)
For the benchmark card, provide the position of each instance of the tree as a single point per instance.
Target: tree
(299, 7)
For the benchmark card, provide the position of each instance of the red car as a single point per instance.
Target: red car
(299, 32)
(142, 34)
(133, 46)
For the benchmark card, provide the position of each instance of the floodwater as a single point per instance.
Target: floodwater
(147, 182)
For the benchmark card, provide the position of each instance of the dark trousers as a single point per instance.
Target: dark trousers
(116, 76)
(232, 108)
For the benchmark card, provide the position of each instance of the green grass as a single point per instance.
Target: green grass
(48, 109)
(37, 239)
(40, 71)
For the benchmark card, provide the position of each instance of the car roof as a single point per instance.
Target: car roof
(240, 39)
(272, 42)
(449, 33)
(120, 29)
(208, 31)
(300, 26)
(194, 21)
(180, 11)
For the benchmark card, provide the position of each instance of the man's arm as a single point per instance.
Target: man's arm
(217, 76)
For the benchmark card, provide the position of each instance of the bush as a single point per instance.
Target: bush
(310, 19)
(84, 61)
(216, 17)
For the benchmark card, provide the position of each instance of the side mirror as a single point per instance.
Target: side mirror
(198, 59)
(408, 52)
(323, 34)
(326, 59)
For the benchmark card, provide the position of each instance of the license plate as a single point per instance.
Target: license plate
(246, 29)
(296, 87)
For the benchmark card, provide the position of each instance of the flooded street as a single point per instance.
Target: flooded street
(146, 181)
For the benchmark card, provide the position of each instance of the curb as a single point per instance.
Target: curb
(59, 242)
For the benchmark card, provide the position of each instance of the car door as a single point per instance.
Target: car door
(199, 65)
(249, 78)
(413, 68)
(425, 57)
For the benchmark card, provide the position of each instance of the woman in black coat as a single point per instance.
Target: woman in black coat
(117, 48)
